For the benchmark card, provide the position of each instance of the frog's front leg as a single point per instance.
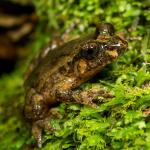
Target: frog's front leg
(90, 96)
(86, 96)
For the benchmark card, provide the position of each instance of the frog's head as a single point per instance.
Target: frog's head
(102, 49)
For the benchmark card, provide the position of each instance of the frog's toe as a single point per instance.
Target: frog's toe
(37, 128)
(37, 134)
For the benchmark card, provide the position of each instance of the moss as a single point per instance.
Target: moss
(118, 123)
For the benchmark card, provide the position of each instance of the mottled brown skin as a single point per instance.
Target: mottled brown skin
(59, 71)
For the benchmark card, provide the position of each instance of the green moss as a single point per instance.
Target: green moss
(118, 123)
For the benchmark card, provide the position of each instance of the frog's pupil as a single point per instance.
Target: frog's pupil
(89, 53)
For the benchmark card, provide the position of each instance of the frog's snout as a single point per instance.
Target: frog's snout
(122, 45)
(116, 48)
(119, 45)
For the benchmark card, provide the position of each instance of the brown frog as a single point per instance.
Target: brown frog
(56, 74)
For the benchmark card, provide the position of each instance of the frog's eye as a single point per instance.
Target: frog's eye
(89, 50)
(105, 29)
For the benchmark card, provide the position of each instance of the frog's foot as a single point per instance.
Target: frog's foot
(37, 128)
(44, 124)
(37, 134)
(86, 96)
(90, 96)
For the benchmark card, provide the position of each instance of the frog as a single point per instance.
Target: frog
(58, 71)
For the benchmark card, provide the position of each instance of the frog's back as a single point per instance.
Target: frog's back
(54, 59)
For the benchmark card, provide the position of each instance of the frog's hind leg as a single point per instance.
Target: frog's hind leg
(37, 133)
(44, 124)
(36, 110)
(37, 128)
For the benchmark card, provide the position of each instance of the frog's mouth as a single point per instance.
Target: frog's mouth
(112, 53)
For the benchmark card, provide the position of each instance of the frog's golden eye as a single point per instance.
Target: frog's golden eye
(89, 50)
